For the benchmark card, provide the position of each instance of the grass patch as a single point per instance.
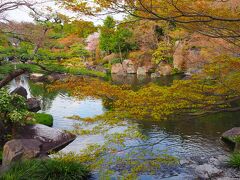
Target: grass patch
(51, 169)
(234, 160)
(45, 119)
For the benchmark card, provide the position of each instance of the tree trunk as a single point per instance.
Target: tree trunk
(11, 76)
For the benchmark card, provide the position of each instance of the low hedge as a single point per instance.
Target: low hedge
(42, 118)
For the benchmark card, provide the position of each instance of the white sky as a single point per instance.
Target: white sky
(22, 14)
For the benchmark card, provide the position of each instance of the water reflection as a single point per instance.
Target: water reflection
(138, 81)
(183, 137)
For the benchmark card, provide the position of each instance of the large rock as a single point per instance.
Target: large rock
(164, 69)
(129, 66)
(197, 50)
(55, 76)
(118, 69)
(20, 91)
(232, 134)
(37, 77)
(232, 137)
(110, 57)
(33, 104)
(18, 149)
(52, 139)
(207, 171)
(155, 75)
(178, 56)
(141, 71)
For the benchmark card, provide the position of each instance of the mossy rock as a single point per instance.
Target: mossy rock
(232, 137)
(45, 119)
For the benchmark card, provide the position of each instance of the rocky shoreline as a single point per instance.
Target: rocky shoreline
(33, 141)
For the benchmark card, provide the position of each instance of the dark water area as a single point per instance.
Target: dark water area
(139, 81)
(184, 138)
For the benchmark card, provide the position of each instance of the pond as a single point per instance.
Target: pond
(195, 139)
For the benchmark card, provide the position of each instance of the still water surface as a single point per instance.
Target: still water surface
(184, 138)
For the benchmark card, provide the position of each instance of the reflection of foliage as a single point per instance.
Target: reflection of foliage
(208, 92)
(40, 91)
(125, 154)
(214, 90)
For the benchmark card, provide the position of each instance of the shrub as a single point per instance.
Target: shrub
(13, 113)
(234, 160)
(116, 60)
(163, 53)
(45, 119)
(51, 169)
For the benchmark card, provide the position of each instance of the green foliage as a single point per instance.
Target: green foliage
(13, 108)
(162, 53)
(44, 55)
(120, 41)
(78, 50)
(13, 113)
(114, 39)
(24, 52)
(176, 71)
(51, 169)
(42, 118)
(106, 35)
(54, 35)
(6, 53)
(79, 27)
(116, 60)
(234, 160)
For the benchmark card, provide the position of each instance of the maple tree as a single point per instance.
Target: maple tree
(221, 21)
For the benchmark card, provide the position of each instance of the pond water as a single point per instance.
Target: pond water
(185, 138)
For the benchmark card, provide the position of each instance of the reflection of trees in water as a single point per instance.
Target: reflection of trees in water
(139, 81)
(210, 127)
(40, 90)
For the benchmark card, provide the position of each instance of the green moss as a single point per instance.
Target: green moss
(51, 169)
(45, 119)
(234, 160)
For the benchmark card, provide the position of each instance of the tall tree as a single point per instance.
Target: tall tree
(107, 32)
(209, 17)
